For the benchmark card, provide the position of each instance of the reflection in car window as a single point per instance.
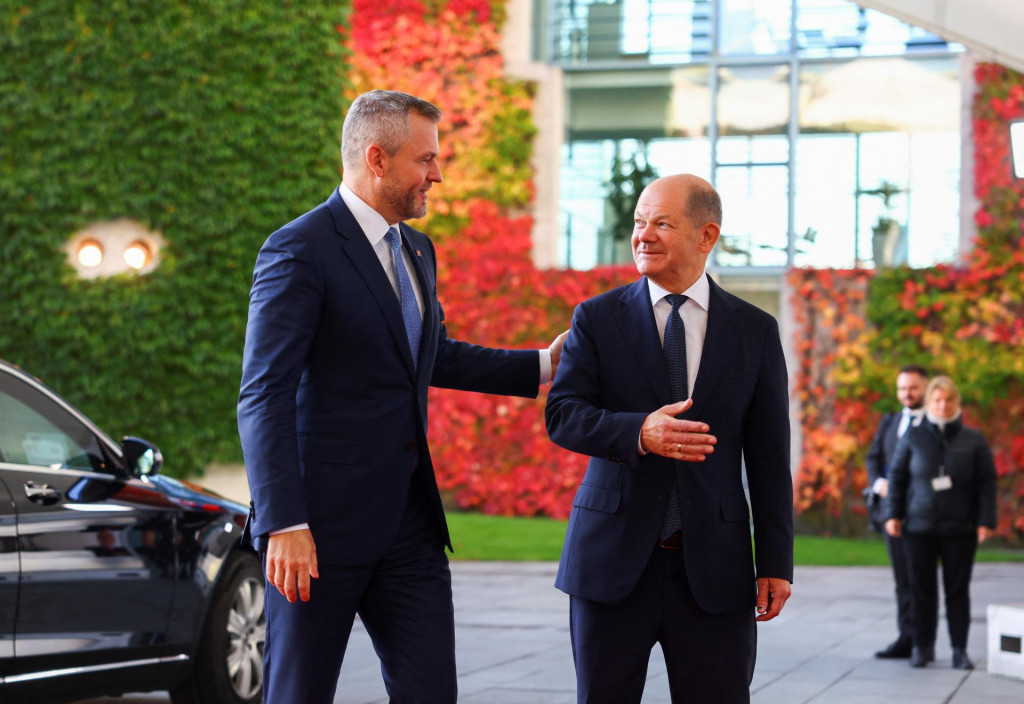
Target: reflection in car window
(34, 430)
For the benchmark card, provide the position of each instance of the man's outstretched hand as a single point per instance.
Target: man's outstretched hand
(664, 434)
(555, 348)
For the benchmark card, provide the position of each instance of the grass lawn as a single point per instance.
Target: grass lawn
(478, 537)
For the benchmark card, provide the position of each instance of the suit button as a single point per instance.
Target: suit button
(662, 496)
(410, 446)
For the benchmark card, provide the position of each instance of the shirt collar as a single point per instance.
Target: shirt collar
(699, 292)
(373, 224)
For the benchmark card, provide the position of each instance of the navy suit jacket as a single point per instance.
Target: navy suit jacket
(611, 376)
(332, 412)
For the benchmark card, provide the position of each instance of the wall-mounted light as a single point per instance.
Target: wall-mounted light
(137, 256)
(90, 253)
(114, 247)
(1017, 148)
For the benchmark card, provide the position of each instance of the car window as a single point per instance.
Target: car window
(37, 431)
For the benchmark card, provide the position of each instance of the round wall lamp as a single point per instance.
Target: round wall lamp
(90, 253)
(137, 256)
(114, 247)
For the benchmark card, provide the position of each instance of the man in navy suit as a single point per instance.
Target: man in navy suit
(658, 547)
(911, 383)
(345, 335)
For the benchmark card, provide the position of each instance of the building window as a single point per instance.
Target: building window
(832, 132)
(754, 27)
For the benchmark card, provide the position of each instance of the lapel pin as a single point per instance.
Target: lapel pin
(419, 253)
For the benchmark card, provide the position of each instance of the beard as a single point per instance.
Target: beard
(404, 202)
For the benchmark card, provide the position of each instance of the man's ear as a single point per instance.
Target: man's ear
(375, 158)
(709, 236)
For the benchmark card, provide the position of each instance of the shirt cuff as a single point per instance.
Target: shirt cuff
(545, 367)
(879, 483)
(289, 529)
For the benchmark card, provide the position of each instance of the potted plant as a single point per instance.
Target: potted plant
(628, 178)
(888, 236)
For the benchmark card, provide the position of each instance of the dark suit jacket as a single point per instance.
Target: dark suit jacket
(965, 457)
(332, 413)
(879, 455)
(611, 376)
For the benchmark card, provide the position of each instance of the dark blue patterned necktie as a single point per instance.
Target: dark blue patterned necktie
(410, 310)
(675, 364)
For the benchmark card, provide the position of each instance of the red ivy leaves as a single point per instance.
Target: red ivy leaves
(828, 307)
(449, 52)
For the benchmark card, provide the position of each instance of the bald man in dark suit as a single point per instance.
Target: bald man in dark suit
(669, 384)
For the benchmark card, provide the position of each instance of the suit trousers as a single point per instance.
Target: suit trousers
(904, 591)
(956, 552)
(709, 657)
(405, 602)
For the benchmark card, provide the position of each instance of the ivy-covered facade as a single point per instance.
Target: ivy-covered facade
(211, 123)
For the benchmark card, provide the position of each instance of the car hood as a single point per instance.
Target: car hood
(195, 496)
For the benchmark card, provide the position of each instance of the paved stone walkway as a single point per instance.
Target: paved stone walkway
(513, 644)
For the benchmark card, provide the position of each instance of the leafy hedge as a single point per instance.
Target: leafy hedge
(211, 122)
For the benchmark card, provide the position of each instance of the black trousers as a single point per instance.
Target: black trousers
(904, 592)
(956, 553)
(709, 657)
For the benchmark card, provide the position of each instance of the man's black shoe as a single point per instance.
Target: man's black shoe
(920, 657)
(961, 661)
(899, 648)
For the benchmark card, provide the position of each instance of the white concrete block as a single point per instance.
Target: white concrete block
(1005, 639)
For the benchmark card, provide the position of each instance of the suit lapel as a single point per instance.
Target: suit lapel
(891, 438)
(355, 245)
(635, 317)
(720, 343)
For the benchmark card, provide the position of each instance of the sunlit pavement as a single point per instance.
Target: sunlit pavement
(513, 644)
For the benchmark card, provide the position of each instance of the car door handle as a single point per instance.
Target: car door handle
(41, 493)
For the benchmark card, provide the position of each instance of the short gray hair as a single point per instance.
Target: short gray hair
(704, 205)
(380, 117)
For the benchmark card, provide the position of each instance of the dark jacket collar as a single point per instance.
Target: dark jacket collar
(949, 430)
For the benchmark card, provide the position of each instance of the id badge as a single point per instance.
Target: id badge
(942, 483)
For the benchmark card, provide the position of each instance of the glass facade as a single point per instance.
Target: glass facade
(831, 132)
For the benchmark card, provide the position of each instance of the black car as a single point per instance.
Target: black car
(113, 577)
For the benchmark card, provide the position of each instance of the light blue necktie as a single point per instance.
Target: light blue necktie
(410, 311)
(675, 364)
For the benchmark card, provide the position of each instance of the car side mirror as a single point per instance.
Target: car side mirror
(141, 457)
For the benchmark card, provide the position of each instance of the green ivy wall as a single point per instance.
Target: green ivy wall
(212, 123)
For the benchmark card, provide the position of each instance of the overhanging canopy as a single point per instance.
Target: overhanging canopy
(992, 29)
